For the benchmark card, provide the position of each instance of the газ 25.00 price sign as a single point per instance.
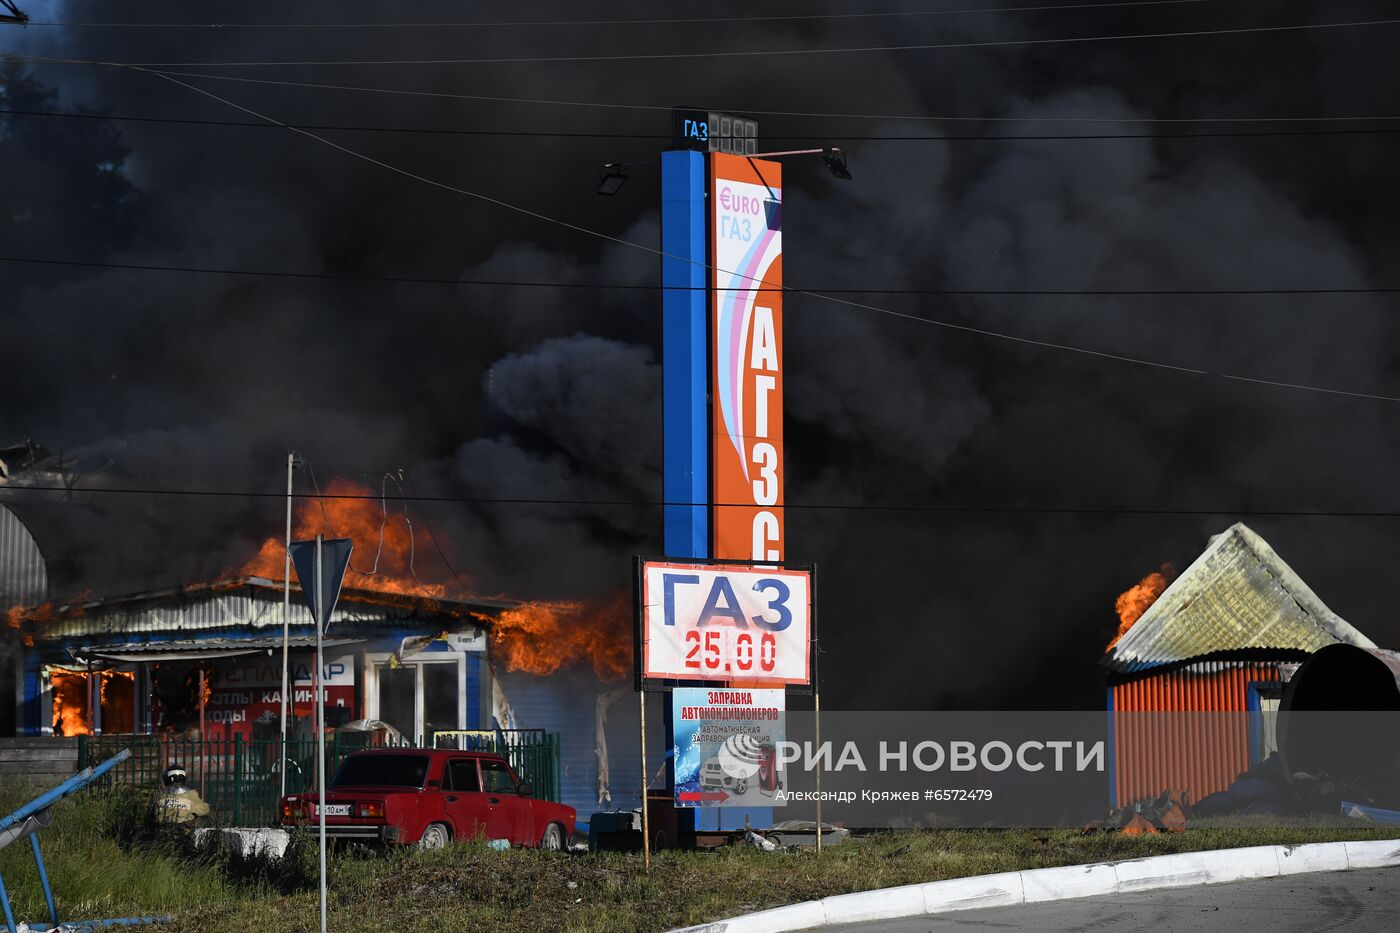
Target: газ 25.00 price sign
(725, 622)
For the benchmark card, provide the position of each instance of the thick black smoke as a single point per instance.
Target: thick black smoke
(552, 393)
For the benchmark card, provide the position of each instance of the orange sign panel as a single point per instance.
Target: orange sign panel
(747, 358)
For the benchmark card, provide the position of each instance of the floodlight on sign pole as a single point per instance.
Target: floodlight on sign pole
(611, 178)
(835, 161)
(834, 158)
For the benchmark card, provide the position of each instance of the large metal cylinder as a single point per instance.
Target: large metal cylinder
(1339, 714)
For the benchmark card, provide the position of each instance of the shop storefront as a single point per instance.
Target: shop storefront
(209, 662)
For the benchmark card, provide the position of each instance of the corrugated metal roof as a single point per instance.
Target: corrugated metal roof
(1237, 595)
(245, 603)
(185, 649)
(24, 579)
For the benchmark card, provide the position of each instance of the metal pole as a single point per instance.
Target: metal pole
(43, 876)
(646, 825)
(817, 715)
(320, 731)
(203, 744)
(286, 619)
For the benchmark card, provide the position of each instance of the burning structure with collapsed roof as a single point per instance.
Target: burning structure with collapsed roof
(1223, 637)
(415, 650)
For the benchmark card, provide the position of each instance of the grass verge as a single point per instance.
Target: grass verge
(107, 860)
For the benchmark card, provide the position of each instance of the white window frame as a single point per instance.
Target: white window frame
(370, 679)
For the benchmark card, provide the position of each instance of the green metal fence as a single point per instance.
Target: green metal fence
(241, 779)
(533, 753)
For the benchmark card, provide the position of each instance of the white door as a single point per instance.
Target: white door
(417, 697)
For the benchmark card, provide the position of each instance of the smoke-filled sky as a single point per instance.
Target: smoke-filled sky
(1078, 473)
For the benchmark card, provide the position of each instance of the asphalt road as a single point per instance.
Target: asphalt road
(1353, 901)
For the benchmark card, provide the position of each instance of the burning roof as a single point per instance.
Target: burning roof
(398, 578)
(1238, 595)
(243, 603)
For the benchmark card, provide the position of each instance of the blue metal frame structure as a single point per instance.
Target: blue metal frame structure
(34, 816)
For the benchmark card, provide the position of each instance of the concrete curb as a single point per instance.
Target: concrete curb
(1053, 884)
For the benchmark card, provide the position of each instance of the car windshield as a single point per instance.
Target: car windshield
(382, 771)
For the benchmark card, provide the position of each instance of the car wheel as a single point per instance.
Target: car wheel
(741, 787)
(434, 837)
(553, 840)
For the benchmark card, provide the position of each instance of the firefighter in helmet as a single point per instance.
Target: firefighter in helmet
(178, 803)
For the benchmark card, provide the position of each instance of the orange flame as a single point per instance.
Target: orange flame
(118, 702)
(395, 566)
(70, 703)
(18, 616)
(1137, 599)
(541, 638)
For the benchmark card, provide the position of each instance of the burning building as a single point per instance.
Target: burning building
(207, 660)
(1221, 638)
(409, 644)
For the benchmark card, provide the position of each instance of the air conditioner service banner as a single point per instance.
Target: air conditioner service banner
(726, 748)
(747, 341)
(712, 622)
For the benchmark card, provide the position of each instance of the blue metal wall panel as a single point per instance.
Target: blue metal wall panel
(565, 702)
(684, 359)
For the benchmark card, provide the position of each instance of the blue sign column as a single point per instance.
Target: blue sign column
(684, 358)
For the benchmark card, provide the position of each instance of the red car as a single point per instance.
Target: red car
(427, 797)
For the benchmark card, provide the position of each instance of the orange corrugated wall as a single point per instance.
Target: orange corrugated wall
(1196, 754)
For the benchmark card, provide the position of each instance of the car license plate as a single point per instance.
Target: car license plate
(334, 809)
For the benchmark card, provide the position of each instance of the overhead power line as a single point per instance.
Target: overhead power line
(833, 299)
(688, 20)
(746, 53)
(828, 115)
(632, 286)
(655, 504)
(815, 134)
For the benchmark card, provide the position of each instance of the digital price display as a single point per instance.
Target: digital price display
(711, 131)
(709, 622)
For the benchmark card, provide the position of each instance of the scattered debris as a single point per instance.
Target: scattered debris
(1367, 814)
(804, 833)
(760, 841)
(1268, 789)
(1166, 813)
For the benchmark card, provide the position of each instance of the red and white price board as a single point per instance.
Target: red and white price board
(714, 622)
